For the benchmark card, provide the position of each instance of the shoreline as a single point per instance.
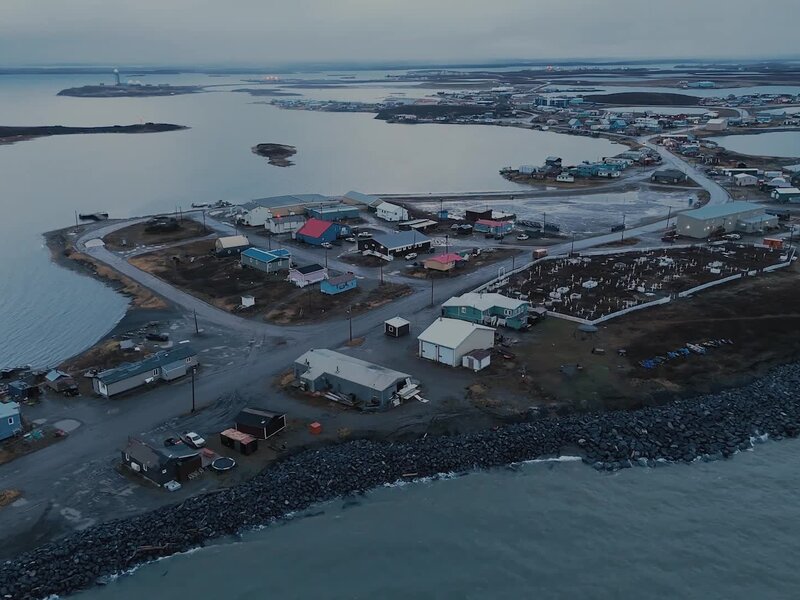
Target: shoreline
(709, 427)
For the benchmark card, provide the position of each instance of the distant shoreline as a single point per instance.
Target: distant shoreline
(9, 135)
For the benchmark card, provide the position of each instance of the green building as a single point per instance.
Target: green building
(488, 309)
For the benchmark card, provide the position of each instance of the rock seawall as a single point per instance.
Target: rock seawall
(712, 427)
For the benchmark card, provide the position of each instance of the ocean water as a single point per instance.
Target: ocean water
(729, 530)
(48, 314)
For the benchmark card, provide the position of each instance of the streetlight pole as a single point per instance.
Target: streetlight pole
(622, 233)
(194, 370)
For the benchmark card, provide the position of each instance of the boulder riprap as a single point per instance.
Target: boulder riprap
(708, 427)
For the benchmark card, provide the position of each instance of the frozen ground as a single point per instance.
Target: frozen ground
(585, 214)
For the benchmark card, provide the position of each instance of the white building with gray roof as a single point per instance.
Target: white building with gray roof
(349, 379)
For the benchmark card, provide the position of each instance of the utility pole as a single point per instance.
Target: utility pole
(76, 219)
(622, 233)
(446, 243)
(513, 261)
(269, 240)
(326, 258)
(572, 245)
(381, 267)
(431, 291)
(350, 321)
(669, 215)
(196, 329)
(544, 223)
(194, 370)
(205, 229)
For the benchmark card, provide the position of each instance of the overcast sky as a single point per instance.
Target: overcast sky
(269, 32)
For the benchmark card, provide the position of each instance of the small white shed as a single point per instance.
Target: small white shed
(745, 179)
(476, 360)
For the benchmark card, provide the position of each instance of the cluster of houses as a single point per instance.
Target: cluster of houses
(463, 336)
(290, 213)
(608, 168)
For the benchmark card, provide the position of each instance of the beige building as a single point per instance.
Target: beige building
(745, 217)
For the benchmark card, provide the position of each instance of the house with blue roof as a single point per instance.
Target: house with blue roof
(268, 261)
(339, 284)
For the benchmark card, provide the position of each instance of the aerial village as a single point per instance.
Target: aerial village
(383, 312)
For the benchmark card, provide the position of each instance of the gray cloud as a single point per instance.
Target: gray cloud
(270, 33)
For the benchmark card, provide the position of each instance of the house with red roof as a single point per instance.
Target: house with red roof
(443, 262)
(316, 232)
(493, 227)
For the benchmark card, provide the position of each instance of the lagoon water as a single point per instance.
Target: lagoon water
(48, 314)
(549, 530)
(773, 143)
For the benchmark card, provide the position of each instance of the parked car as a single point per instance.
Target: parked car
(523, 236)
(732, 237)
(190, 438)
(326, 245)
(411, 256)
(350, 239)
(364, 234)
(171, 441)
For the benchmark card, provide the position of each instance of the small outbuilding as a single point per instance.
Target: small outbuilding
(338, 284)
(443, 262)
(396, 327)
(231, 245)
(238, 440)
(476, 360)
(261, 423)
(61, 382)
(448, 340)
(268, 261)
(10, 420)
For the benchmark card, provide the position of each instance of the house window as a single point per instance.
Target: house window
(508, 312)
(188, 360)
(10, 420)
(144, 467)
(155, 372)
(463, 310)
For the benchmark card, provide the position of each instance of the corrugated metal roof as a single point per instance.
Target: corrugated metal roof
(362, 198)
(321, 361)
(721, 210)
(401, 239)
(288, 200)
(485, 301)
(156, 361)
(314, 228)
(450, 333)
